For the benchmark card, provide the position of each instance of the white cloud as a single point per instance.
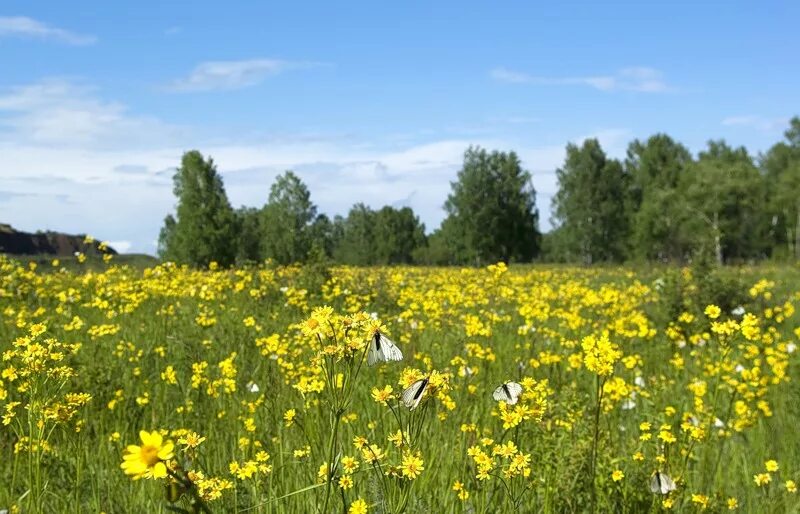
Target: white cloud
(80, 164)
(63, 112)
(226, 75)
(22, 26)
(759, 123)
(639, 79)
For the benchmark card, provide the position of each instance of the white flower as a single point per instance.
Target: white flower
(253, 387)
(738, 311)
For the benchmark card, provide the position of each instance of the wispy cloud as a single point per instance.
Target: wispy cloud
(97, 167)
(226, 75)
(22, 26)
(639, 79)
(759, 123)
(69, 113)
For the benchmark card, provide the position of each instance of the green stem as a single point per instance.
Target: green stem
(599, 400)
(331, 455)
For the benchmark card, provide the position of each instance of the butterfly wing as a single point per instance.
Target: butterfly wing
(412, 396)
(374, 353)
(508, 392)
(382, 349)
(655, 484)
(661, 483)
(667, 484)
(515, 390)
(390, 350)
(499, 394)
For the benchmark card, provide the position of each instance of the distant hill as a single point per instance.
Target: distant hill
(14, 242)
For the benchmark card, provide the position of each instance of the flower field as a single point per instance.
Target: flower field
(250, 390)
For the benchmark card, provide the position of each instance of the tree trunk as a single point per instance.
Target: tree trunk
(717, 243)
(797, 234)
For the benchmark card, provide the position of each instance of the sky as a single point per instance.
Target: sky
(370, 102)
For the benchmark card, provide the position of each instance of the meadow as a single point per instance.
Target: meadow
(167, 389)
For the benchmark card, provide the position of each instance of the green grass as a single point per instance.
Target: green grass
(155, 312)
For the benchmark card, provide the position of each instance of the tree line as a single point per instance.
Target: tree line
(659, 203)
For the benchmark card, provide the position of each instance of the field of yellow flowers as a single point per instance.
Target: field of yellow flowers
(167, 389)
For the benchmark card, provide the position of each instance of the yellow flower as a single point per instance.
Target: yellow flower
(345, 482)
(600, 354)
(191, 440)
(762, 479)
(771, 466)
(358, 507)
(791, 486)
(147, 460)
(712, 311)
(382, 395)
(733, 504)
(617, 475)
(701, 500)
(412, 466)
(349, 464)
(666, 436)
(289, 416)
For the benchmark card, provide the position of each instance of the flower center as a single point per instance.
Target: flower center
(149, 455)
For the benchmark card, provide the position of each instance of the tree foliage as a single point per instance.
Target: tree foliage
(655, 167)
(492, 209)
(662, 203)
(286, 220)
(203, 228)
(590, 207)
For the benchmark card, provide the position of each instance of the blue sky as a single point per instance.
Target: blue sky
(366, 101)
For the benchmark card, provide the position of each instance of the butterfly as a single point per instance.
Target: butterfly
(661, 483)
(382, 349)
(508, 392)
(412, 396)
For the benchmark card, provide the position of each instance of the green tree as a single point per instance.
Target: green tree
(655, 168)
(590, 205)
(249, 246)
(286, 220)
(203, 228)
(781, 169)
(323, 234)
(444, 247)
(396, 235)
(357, 242)
(492, 209)
(726, 202)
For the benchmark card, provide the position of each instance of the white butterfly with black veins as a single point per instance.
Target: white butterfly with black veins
(661, 483)
(508, 392)
(412, 396)
(382, 349)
